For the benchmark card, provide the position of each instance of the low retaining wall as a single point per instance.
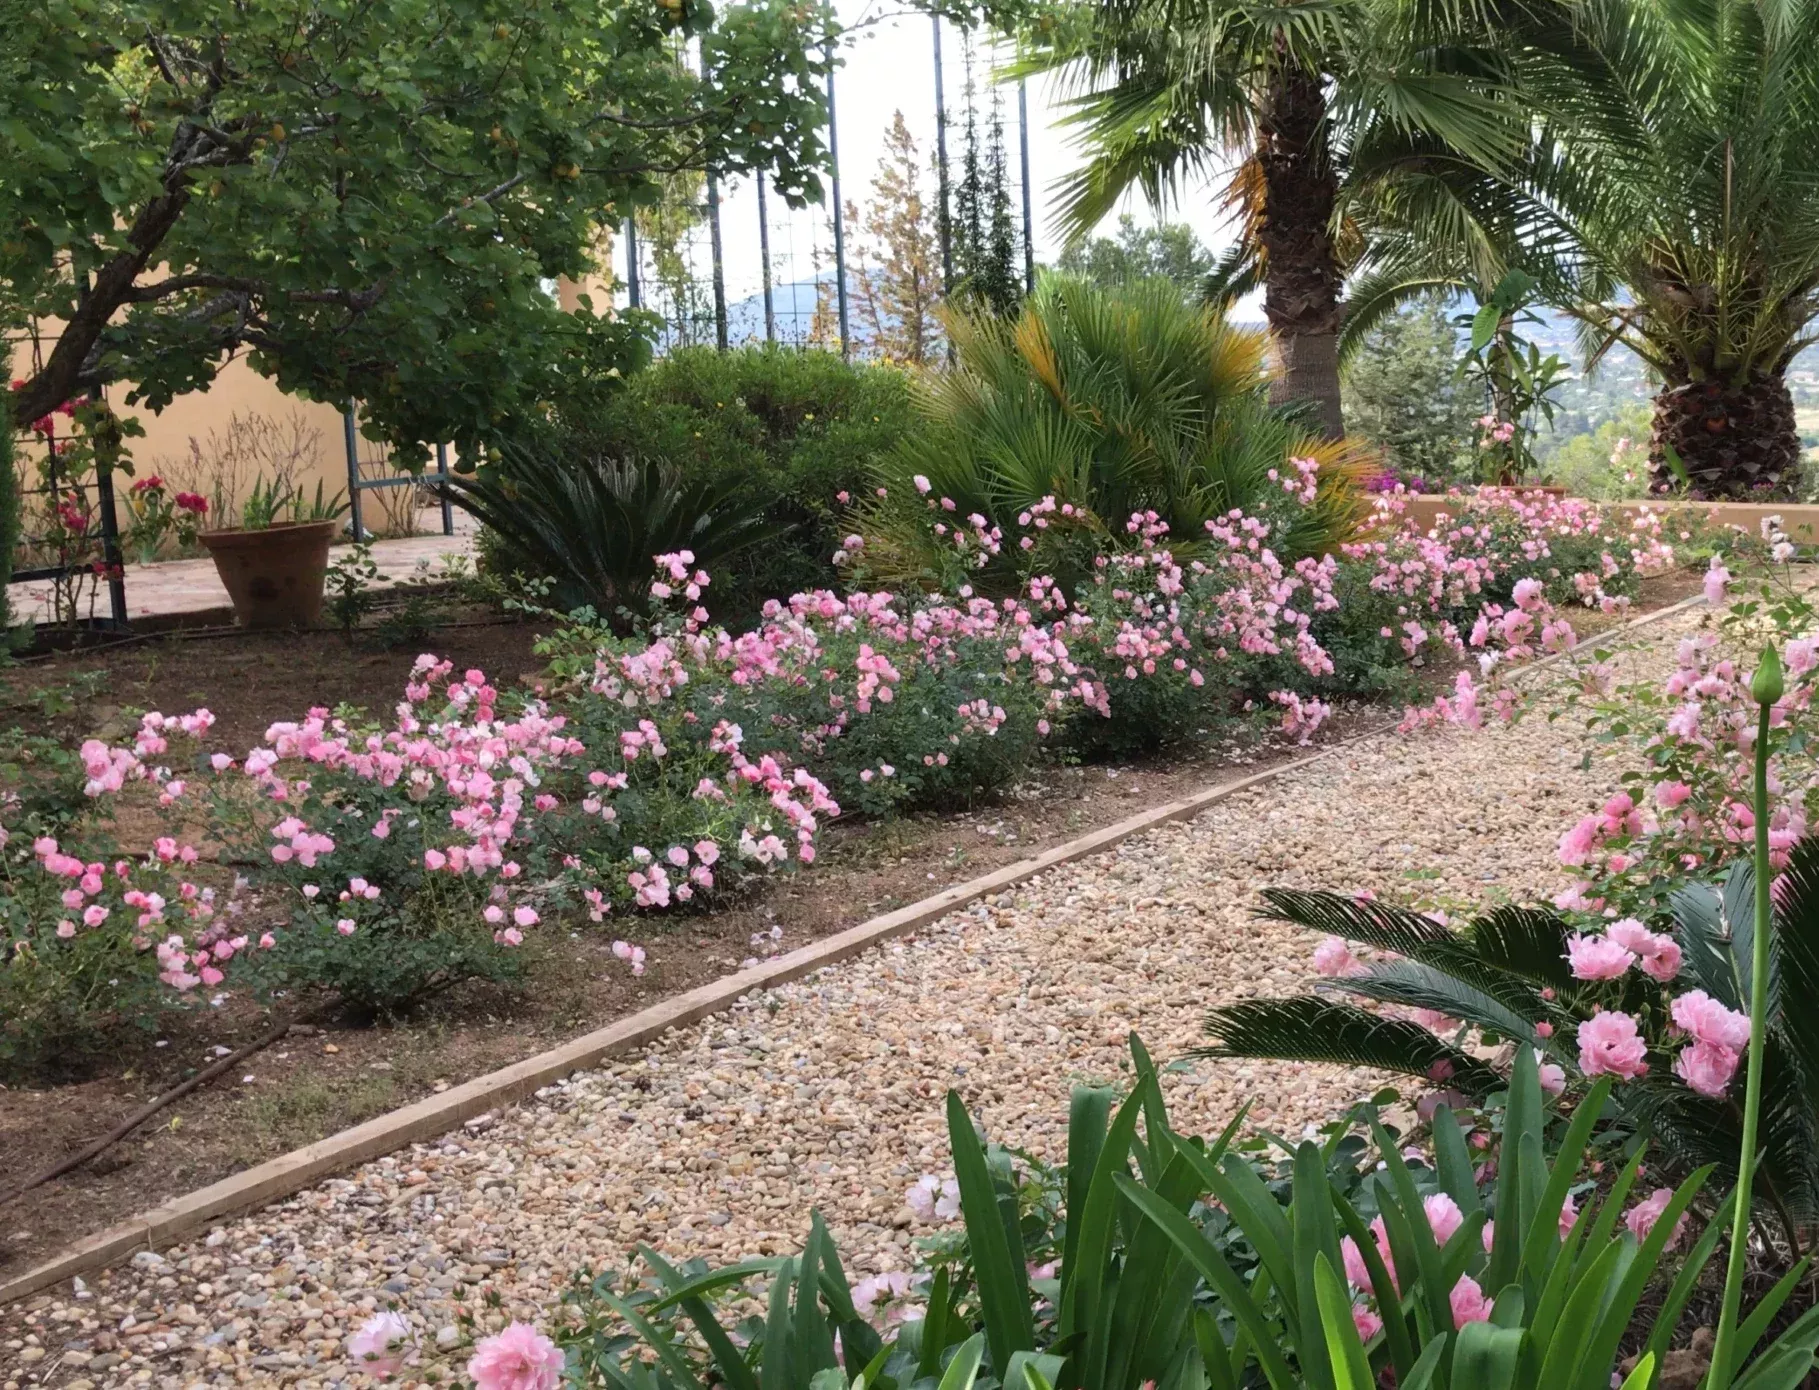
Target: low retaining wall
(1799, 520)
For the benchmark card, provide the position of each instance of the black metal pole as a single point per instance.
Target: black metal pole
(943, 222)
(352, 442)
(833, 154)
(713, 241)
(448, 510)
(631, 262)
(1023, 154)
(111, 555)
(764, 264)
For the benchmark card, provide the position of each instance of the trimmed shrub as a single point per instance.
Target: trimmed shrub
(784, 432)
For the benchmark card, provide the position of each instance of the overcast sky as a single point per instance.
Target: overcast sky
(889, 66)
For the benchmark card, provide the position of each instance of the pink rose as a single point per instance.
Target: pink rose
(1597, 957)
(1443, 1215)
(1717, 581)
(1696, 1012)
(1663, 963)
(1659, 954)
(519, 1358)
(1553, 1078)
(1334, 958)
(1642, 1217)
(381, 1344)
(1367, 1322)
(1609, 1044)
(1706, 1067)
(1469, 1302)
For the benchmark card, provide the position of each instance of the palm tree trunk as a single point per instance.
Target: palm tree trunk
(1737, 441)
(1302, 278)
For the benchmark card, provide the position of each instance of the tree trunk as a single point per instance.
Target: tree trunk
(1302, 277)
(1736, 442)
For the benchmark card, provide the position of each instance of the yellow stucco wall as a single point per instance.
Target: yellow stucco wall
(205, 418)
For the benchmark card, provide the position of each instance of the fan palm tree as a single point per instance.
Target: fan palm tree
(1506, 972)
(1667, 198)
(1290, 89)
(1111, 401)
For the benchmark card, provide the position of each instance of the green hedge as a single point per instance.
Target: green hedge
(792, 428)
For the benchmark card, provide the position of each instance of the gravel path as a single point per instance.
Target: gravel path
(826, 1093)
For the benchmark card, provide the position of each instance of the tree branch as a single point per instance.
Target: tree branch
(485, 197)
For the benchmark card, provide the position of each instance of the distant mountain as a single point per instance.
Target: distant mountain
(793, 306)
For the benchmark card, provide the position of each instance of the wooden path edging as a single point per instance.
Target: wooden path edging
(290, 1173)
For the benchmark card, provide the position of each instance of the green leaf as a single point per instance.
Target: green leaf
(935, 1325)
(1667, 1319)
(1428, 1367)
(1643, 1373)
(1542, 1236)
(1215, 1356)
(1395, 1322)
(673, 1361)
(963, 1370)
(1316, 1246)
(1001, 1277)
(1089, 1108)
(1083, 1304)
(1487, 1356)
(1205, 1257)
(1344, 1350)
(1406, 1220)
(1452, 1163)
(686, 1294)
(1484, 326)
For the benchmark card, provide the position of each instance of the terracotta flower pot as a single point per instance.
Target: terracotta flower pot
(274, 576)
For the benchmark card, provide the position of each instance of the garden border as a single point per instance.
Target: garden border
(437, 1114)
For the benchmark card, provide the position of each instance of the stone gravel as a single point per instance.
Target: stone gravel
(826, 1093)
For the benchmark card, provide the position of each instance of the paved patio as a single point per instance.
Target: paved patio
(170, 588)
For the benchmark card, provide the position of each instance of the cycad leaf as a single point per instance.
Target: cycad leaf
(1324, 1030)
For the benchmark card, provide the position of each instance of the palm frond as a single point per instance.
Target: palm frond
(1524, 941)
(1365, 920)
(596, 523)
(1310, 1029)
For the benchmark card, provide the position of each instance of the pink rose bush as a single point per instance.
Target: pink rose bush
(382, 861)
(1686, 738)
(1551, 554)
(387, 858)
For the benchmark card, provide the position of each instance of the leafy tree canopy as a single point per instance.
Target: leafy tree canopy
(1404, 395)
(369, 199)
(1171, 252)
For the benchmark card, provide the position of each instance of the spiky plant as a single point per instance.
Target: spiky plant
(593, 522)
(1114, 400)
(1505, 972)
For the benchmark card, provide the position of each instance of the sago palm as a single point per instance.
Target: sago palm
(1506, 972)
(593, 523)
(1291, 90)
(1111, 402)
(1667, 198)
